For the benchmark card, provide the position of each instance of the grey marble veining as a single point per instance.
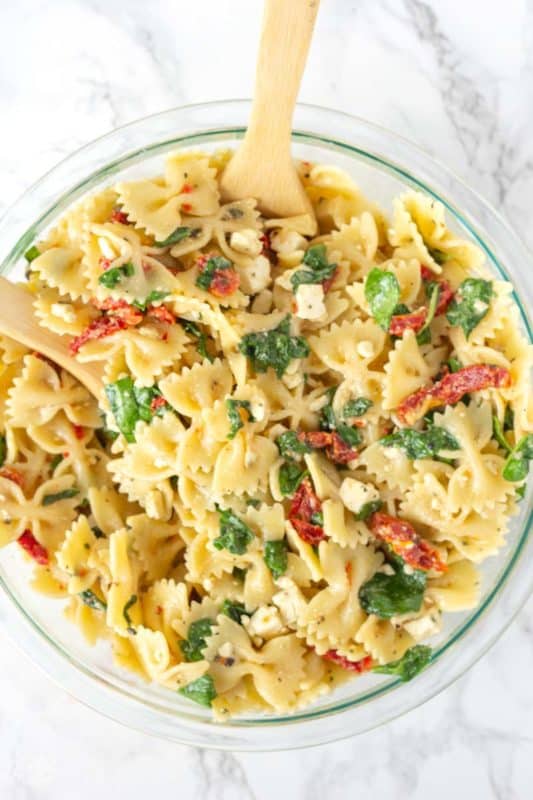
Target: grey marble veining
(454, 76)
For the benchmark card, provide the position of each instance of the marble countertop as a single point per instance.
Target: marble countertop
(455, 77)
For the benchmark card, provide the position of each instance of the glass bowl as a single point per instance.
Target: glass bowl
(384, 165)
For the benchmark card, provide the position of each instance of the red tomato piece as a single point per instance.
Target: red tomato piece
(98, 329)
(405, 542)
(363, 665)
(79, 431)
(305, 504)
(225, 282)
(187, 207)
(336, 448)
(186, 188)
(328, 282)
(451, 389)
(119, 216)
(11, 474)
(29, 543)
(414, 321)
(162, 314)
(157, 402)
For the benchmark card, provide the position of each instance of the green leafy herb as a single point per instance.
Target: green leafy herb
(351, 436)
(215, 264)
(235, 535)
(239, 573)
(233, 610)
(106, 436)
(112, 277)
(234, 415)
(49, 499)
(3, 450)
(367, 509)
(253, 502)
(319, 270)
(389, 595)
(454, 364)
(411, 663)
(31, 254)
(183, 232)
(275, 556)
(130, 404)
(317, 518)
(92, 600)
(150, 299)
(274, 348)
(520, 491)
(192, 646)
(55, 462)
(421, 444)
(356, 408)
(508, 419)
(439, 256)
(382, 292)
(499, 435)
(290, 477)
(328, 421)
(193, 329)
(516, 467)
(290, 446)
(470, 304)
(126, 613)
(201, 691)
(424, 334)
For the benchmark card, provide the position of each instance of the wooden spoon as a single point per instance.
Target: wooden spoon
(18, 321)
(263, 167)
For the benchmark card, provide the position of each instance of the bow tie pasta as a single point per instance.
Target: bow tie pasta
(305, 447)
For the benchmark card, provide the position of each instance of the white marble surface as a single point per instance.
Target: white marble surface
(456, 77)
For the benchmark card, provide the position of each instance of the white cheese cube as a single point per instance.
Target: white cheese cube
(256, 276)
(265, 622)
(355, 494)
(246, 241)
(310, 301)
(285, 242)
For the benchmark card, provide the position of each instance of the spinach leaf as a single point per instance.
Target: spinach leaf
(508, 419)
(497, 432)
(315, 258)
(55, 462)
(389, 595)
(48, 499)
(421, 444)
(31, 254)
(92, 600)
(382, 292)
(183, 232)
(411, 663)
(290, 446)
(253, 502)
(201, 691)
(112, 277)
(424, 334)
(192, 646)
(239, 573)
(205, 277)
(290, 476)
(470, 304)
(235, 535)
(126, 613)
(193, 330)
(275, 557)
(516, 467)
(130, 403)
(150, 299)
(235, 417)
(351, 436)
(439, 256)
(3, 450)
(367, 509)
(328, 421)
(454, 364)
(274, 348)
(233, 610)
(356, 408)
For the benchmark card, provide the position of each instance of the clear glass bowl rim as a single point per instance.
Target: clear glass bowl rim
(50, 196)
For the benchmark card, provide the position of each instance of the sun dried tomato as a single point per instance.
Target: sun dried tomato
(119, 216)
(362, 665)
(98, 329)
(79, 431)
(304, 506)
(336, 448)
(186, 188)
(451, 388)
(162, 314)
(29, 543)
(414, 321)
(121, 308)
(328, 282)
(405, 542)
(157, 402)
(11, 474)
(104, 263)
(445, 297)
(187, 207)
(224, 282)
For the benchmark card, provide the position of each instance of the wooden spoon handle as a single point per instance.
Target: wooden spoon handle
(285, 39)
(18, 321)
